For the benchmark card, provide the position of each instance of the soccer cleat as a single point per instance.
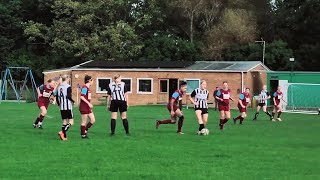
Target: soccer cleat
(61, 135)
(254, 119)
(34, 125)
(221, 126)
(157, 124)
(272, 120)
(40, 126)
(128, 134)
(112, 134)
(199, 133)
(180, 132)
(84, 137)
(279, 119)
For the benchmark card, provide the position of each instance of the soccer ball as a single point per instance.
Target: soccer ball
(204, 132)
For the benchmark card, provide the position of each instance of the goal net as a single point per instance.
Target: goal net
(304, 98)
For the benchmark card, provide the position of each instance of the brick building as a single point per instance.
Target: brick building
(153, 82)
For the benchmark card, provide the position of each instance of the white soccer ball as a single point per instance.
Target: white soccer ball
(204, 132)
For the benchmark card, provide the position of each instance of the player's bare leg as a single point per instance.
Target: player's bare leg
(273, 113)
(200, 120)
(90, 123)
(125, 122)
(266, 111)
(84, 118)
(240, 117)
(222, 117)
(172, 120)
(39, 120)
(257, 113)
(179, 114)
(279, 112)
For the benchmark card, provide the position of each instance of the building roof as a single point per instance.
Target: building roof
(187, 66)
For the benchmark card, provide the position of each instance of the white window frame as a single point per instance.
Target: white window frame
(97, 85)
(130, 83)
(139, 92)
(186, 80)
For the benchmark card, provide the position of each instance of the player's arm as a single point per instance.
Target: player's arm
(39, 89)
(283, 99)
(274, 98)
(69, 94)
(218, 94)
(191, 97)
(83, 93)
(126, 95)
(58, 101)
(108, 98)
(241, 97)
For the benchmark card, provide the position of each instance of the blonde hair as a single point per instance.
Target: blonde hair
(64, 77)
(115, 77)
(203, 81)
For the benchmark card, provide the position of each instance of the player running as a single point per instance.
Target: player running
(65, 102)
(118, 101)
(45, 93)
(224, 95)
(85, 107)
(277, 97)
(263, 97)
(174, 109)
(199, 97)
(244, 101)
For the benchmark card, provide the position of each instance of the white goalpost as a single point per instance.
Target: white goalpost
(302, 98)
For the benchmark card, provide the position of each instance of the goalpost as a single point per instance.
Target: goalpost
(303, 98)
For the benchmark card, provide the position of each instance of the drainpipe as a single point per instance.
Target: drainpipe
(242, 82)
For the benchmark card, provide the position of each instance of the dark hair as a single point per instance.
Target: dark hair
(87, 78)
(224, 82)
(49, 80)
(248, 88)
(183, 84)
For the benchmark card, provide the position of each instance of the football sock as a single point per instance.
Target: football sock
(201, 126)
(113, 125)
(256, 115)
(180, 123)
(67, 127)
(221, 121)
(63, 128)
(168, 121)
(225, 120)
(83, 129)
(41, 118)
(267, 112)
(279, 114)
(273, 115)
(241, 119)
(125, 125)
(88, 126)
(37, 121)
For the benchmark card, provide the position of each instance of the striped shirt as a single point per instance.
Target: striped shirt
(263, 96)
(201, 97)
(117, 91)
(64, 98)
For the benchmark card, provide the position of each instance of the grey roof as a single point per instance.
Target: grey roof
(208, 66)
(225, 65)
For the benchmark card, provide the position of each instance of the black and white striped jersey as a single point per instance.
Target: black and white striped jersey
(201, 96)
(117, 91)
(64, 98)
(263, 96)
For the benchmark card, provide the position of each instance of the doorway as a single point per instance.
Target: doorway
(173, 86)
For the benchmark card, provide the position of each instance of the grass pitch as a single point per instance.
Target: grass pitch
(255, 150)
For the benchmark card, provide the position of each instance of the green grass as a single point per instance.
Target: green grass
(255, 150)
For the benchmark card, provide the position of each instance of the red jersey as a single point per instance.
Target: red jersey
(278, 96)
(86, 93)
(46, 91)
(245, 99)
(177, 95)
(225, 95)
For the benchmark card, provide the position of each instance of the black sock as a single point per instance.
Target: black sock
(63, 128)
(267, 112)
(113, 126)
(125, 125)
(256, 115)
(67, 127)
(201, 126)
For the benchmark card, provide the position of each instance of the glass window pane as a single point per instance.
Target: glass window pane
(144, 85)
(163, 85)
(127, 84)
(192, 85)
(103, 85)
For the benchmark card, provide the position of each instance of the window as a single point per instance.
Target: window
(128, 84)
(144, 85)
(192, 84)
(102, 85)
(163, 86)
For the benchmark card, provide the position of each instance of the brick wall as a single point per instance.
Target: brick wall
(213, 79)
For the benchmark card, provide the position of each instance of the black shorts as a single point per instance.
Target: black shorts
(203, 110)
(66, 114)
(118, 105)
(261, 104)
